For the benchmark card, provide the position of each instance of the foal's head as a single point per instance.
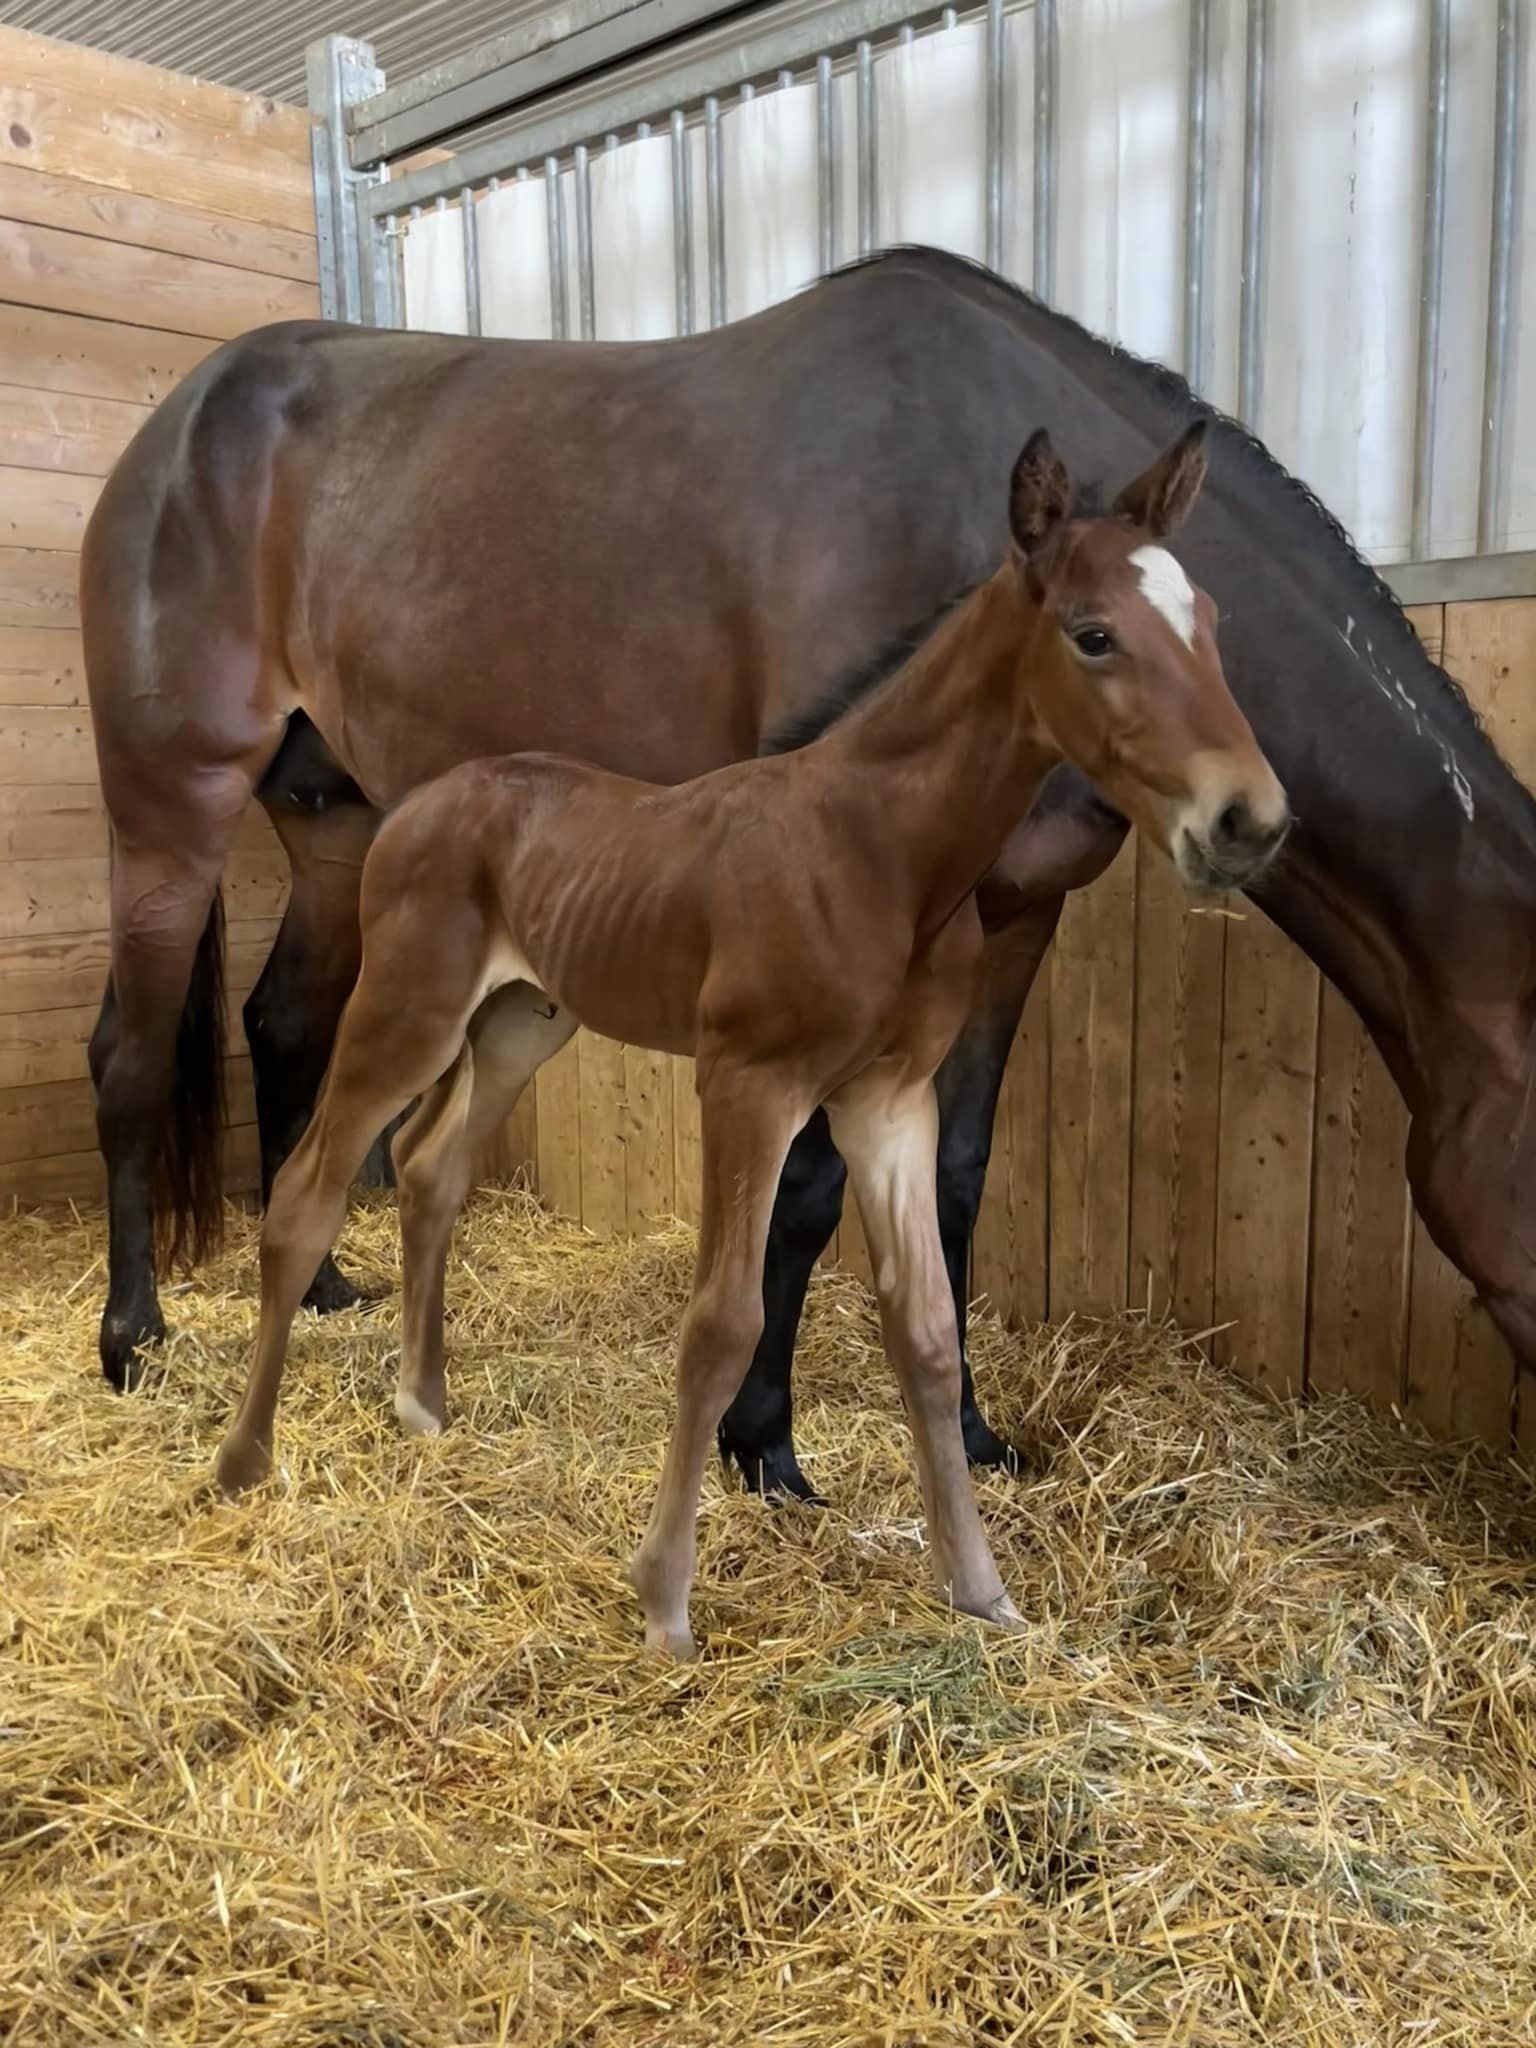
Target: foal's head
(1125, 675)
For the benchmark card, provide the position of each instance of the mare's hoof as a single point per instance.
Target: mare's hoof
(984, 1448)
(243, 1462)
(772, 1470)
(124, 1340)
(415, 1416)
(331, 1291)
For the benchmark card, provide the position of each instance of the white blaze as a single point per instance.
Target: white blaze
(1167, 589)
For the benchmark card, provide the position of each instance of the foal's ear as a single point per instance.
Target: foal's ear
(1162, 497)
(1040, 495)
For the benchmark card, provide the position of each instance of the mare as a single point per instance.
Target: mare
(336, 562)
(805, 927)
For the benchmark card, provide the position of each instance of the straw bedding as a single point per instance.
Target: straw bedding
(372, 1760)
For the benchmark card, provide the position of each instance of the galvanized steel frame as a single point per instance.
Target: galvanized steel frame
(623, 64)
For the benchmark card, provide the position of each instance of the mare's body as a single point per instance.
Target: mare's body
(804, 926)
(432, 549)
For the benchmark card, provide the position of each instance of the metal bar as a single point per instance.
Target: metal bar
(1045, 149)
(1250, 339)
(339, 71)
(826, 168)
(523, 64)
(1463, 578)
(1501, 249)
(470, 230)
(996, 80)
(1196, 171)
(586, 304)
(714, 212)
(1431, 275)
(376, 266)
(864, 101)
(718, 61)
(682, 221)
(559, 288)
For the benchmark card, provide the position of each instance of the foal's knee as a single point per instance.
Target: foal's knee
(722, 1326)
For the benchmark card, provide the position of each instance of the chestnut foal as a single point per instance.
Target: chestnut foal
(803, 924)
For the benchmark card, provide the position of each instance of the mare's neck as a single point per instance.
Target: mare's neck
(941, 762)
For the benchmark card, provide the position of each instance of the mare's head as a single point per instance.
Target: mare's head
(1124, 673)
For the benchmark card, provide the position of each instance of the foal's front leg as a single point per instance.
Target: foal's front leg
(748, 1120)
(888, 1132)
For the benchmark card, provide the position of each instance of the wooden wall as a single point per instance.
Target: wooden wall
(143, 219)
(1190, 1117)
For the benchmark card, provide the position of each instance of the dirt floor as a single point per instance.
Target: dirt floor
(373, 1759)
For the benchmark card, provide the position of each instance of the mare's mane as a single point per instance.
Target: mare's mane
(1170, 390)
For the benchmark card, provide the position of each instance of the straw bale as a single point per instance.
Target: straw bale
(372, 1759)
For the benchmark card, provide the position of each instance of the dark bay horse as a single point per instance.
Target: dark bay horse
(804, 926)
(336, 562)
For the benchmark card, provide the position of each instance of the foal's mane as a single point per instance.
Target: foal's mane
(858, 681)
(1173, 391)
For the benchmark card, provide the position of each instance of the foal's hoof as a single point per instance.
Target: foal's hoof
(997, 1611)
(772, 1470)
(415, 1416)
(243, 1462)
(675, 1644)
(984, 1448)
(125, 1337)
(331, 1291)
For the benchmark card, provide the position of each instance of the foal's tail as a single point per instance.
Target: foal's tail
(188, 1176)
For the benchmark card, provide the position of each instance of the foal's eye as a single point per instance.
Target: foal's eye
(1093, 641)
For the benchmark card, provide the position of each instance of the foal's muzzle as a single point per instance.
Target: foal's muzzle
(1235, 848)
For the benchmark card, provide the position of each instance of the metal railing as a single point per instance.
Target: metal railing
(530, 106)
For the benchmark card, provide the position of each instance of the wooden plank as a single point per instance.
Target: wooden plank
(41, 665)
(1268, 1074)
(650, 1180)
(1010, 1252)
(604, 1206)
(1461, 1376)
(1093, 968)
(67, 970)
(1361, 1222)
(39, 588)
(108, 281)
(47, 745)
(687, 1149)
(81, 1176)
(68, 821)
(43, 508)
(77, 113)
(60, 430)
(63, 352)
(60, 1116)
(558, 1086)
(1180, 962)
(514, 1154)
(176, 230)
(43, 897)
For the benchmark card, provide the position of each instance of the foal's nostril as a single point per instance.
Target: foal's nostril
(1233, 824)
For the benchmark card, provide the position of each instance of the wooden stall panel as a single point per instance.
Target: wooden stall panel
(1093, 996)
(143, 218)
(1180, 958)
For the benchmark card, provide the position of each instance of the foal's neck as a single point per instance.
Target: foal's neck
(942, 761)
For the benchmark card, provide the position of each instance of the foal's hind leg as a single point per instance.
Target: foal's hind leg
(388, 1051)
(510, 1036)
(748, 1119)
(888, 1134)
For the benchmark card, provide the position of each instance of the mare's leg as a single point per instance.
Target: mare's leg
(156, 1057)
(968, 1084)
(291, 1015)
(756, 1431)
(437, 1153)
(888, 1133)
(748, 1121)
